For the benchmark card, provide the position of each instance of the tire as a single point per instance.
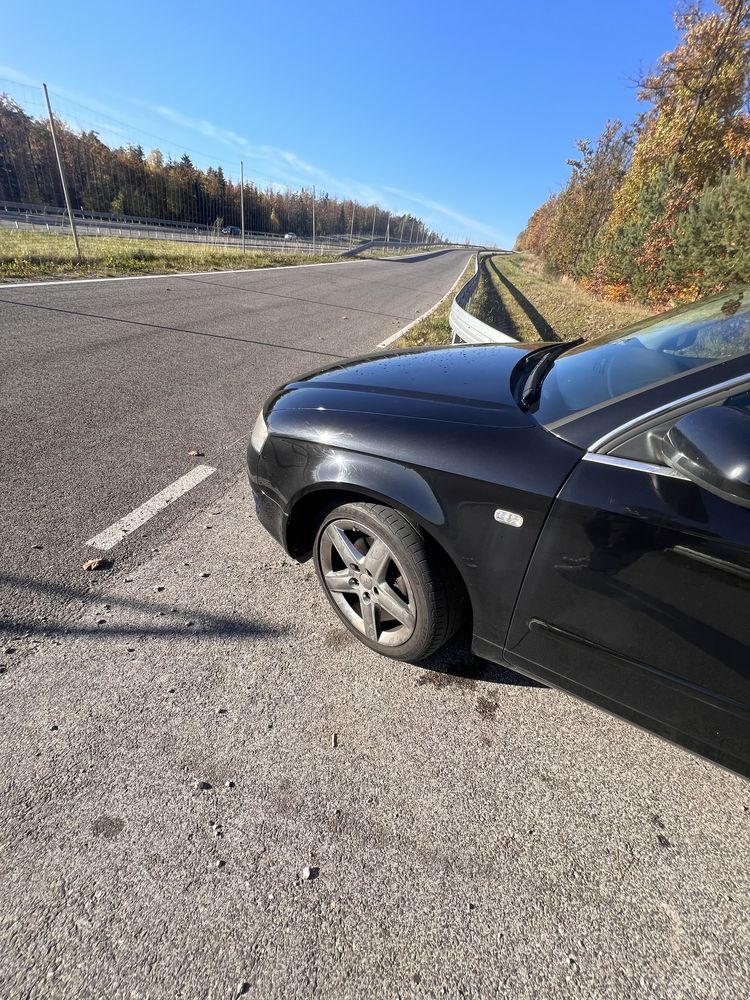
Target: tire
(388, 589)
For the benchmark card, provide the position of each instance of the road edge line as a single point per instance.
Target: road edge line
(405, 329)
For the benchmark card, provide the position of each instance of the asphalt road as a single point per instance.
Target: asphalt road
(167, 764)
(107, 385)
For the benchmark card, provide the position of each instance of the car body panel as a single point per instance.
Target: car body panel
(625, 583)
(463, 454)
(638, 595)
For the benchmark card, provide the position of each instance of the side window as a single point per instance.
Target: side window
(645, 445)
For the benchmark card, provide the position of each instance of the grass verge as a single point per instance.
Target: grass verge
(540, 306)
(434, 329)
(43, 256)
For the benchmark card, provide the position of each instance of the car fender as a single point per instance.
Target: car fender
(385, 478)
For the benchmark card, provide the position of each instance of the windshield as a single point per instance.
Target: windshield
(641, 356)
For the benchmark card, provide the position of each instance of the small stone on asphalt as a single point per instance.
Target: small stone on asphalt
(203, 786)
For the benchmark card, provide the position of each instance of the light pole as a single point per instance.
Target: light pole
(242, 202)
(313, 218)
(62, 174)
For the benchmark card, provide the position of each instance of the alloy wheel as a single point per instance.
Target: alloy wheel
(367, 583)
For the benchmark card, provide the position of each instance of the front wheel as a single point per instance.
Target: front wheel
(391, 593)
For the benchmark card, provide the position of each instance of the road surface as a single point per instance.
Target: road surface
(168, 765)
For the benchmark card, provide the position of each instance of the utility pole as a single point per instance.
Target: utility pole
(62, 173)
(372, 234)
(242, 202)
(411, 234)
(388, 229)
(401, 234)
(351, 227)
(313, 218)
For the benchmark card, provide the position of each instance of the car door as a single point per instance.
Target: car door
(637, 597)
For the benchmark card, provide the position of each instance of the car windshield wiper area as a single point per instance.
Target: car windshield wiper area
(540, 369)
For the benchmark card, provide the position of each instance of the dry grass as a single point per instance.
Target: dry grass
(541, 306)
(25, 255)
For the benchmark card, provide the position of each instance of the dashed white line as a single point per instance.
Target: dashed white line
(108, 538)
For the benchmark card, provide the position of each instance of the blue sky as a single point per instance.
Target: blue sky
(463, 114)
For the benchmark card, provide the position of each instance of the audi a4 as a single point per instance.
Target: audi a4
(585, 506)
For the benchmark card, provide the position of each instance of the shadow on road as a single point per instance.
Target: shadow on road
(456, 665)
(104, 616)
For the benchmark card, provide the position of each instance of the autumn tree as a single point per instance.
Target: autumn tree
(698, 95)
(536, 234)
(586, 202)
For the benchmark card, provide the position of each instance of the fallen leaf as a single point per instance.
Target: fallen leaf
(91, 564)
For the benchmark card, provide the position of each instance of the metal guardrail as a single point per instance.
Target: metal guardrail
(396, 245)
(467, 329)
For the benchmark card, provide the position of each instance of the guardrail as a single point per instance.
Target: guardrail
(396, 245)
(467, 329)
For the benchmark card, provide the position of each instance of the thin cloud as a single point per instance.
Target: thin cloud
(281, 168)
(473, 225)
(304, 172)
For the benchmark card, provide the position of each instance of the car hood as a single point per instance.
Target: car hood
(438, 409)
(462, 384)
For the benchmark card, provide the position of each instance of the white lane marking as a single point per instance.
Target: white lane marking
(405, 329)
(175, 274)
(108, 538)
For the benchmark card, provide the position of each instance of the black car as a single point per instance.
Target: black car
(231, 231)
(586, 505)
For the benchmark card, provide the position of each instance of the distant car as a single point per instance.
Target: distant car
(231, 231)
(290, 236)
(585, 505)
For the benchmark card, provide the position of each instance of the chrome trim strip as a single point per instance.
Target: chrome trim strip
(665, 407)
(628, 463)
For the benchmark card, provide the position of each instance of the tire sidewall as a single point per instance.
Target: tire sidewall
(421, 640)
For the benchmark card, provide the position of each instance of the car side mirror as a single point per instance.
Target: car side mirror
(711, 447)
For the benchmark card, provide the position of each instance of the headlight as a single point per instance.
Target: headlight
(259, 434)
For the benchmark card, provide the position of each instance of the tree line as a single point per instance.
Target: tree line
(660, 211)
(127, 181)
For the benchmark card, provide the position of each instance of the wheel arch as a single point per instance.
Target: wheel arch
(312, 506)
